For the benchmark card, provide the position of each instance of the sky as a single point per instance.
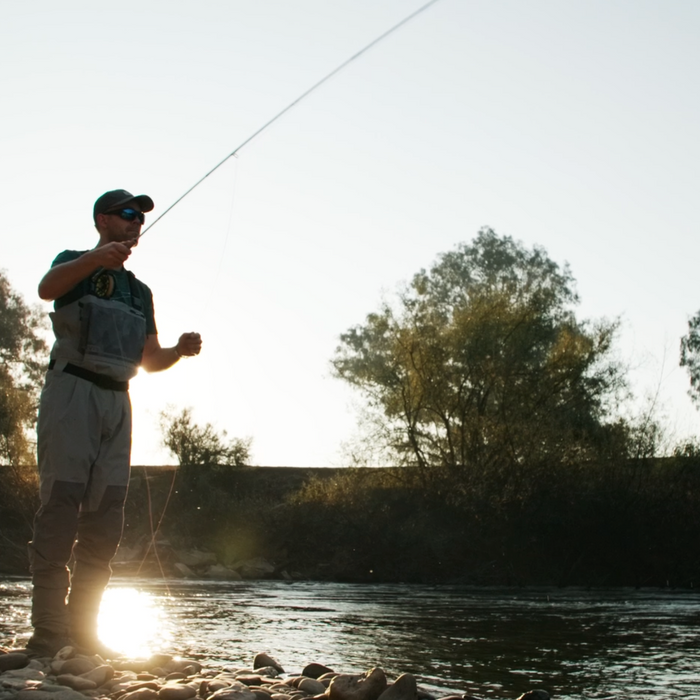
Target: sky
(569, 125)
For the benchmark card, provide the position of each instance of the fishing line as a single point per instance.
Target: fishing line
(233, 153)
(292, 104)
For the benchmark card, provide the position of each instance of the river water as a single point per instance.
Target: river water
(494, 643)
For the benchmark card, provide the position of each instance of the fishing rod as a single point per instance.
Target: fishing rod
(293, 104)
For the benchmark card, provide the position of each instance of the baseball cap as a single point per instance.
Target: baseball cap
(117, 198)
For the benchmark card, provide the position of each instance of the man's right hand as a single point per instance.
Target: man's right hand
(62, 278)
(111, 256)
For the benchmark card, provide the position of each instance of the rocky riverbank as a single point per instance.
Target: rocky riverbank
(71, 676)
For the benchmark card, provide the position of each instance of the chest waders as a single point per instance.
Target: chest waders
(83, 446)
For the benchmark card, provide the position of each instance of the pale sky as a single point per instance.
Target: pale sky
(568, 124)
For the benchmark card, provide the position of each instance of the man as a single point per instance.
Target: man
(105, 329)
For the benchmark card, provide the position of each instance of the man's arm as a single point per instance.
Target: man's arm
(155, 358)
(61, 278)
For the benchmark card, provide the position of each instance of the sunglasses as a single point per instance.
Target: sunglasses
(129, 214)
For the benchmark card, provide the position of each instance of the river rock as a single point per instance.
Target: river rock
(24, 674)
(77, 666)
(268, 672)
(311, 686)
(183, 570)
(76, 682)
(262, 693)
(403, 688)
(67, 652)
(368, 686)
(186, 666)
(536, 694)
(13, 661)
(261, 660)
(176, 691)
(140, 694)
(195, 557)
(34, 694)
(221, 572)
(249, 678)
(233, 693)
(100, 675)
(255, 568)
(158, 660)
(315, 670)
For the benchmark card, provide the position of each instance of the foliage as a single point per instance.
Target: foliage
(195, 445)
(482, 362)
(23, 353)
(690, 356)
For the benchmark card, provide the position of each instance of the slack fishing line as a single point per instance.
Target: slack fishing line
(293, 104)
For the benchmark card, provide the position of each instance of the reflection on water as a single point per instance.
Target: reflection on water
(133, 622)
(490, 643)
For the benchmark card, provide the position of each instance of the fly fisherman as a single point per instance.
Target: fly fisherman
(105, 330)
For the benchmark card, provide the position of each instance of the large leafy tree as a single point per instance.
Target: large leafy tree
(23, 358)
(481, 362)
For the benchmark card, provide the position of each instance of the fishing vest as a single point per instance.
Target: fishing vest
(101, 335)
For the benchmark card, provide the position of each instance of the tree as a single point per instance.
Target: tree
(205, 456)
(481, 362)
(194, 445)
(23, 359)
(690, 356)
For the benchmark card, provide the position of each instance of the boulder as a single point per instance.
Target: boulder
(158, 660)
(268, 673)
(316, 670)
(100, 675)
(403, 688)
(262, 693)
(195, 557)
(76, 682)
(537, 694)
(233, 693)
(140, 694)
(221, 572)
(261, 660)
(254, 568)
(24, 674)
(249, 678)
(77, 666)
(184, 570)
(176, 691)
(367, 686)
(13, 661)
(311, 686)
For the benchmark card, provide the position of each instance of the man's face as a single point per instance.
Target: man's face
(121, 225)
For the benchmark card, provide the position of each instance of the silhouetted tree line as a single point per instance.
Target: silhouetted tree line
(516, 461)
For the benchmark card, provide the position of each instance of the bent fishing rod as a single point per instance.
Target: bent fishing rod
(291, 105)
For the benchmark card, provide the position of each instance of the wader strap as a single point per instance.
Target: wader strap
(98, 379)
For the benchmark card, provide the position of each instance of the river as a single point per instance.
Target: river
(486, 642)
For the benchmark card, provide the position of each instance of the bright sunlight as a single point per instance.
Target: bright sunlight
(131, 622)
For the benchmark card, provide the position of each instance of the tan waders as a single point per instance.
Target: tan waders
(84, 444)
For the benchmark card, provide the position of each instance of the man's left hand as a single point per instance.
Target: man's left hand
(189, 345)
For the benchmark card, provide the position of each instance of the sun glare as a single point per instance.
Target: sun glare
(131, 622)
